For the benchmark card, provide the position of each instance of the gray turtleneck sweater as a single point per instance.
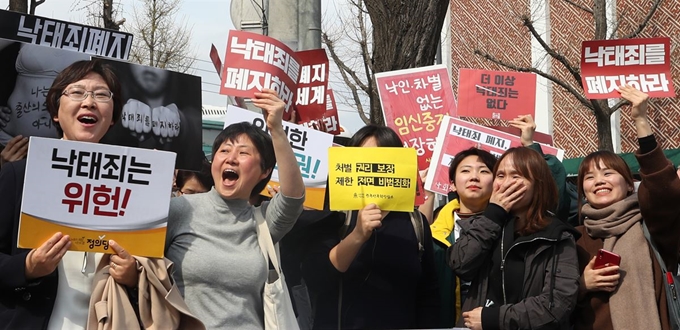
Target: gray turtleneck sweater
(219, 267)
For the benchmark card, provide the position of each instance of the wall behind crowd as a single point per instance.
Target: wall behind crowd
(490, 25)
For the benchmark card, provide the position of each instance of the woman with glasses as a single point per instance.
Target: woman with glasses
(50, 287)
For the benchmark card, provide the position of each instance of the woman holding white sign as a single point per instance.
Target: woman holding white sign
(49, 287)
(212, 237)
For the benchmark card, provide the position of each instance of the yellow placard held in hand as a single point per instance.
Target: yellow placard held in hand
(361, 176)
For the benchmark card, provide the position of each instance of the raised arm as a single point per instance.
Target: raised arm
(289, 171)
(659, 190)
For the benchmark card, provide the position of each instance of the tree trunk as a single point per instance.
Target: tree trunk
(376, 108)
(405, 35)
(107, 16)
(604, 133)
(19, 6)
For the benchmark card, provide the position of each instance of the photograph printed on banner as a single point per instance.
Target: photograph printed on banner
(27, 73)
(162, 110)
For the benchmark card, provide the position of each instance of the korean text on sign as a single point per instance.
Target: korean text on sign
(496, 94)
(329, 121)
(254, 61)
(641, 63)
(64, 35)
(361, 176)
(456, 135)
(94, 193)
(413, 103)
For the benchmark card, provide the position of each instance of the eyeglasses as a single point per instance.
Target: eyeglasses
(80, 94)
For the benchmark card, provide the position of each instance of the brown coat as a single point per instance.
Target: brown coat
(160, 304)
(659, 194)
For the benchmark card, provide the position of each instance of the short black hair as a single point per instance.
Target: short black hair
(487, 158)
(204, 177)
(384, 136)
(262, 142)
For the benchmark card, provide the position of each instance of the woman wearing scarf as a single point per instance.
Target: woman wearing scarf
(632, 295)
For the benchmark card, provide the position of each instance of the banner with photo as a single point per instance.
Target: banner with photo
(254, 61)
(642, 63)
(496, 94)
(311, 151)
(93, 193)
(361, 176)
(414, 102)
(161, 110)
(456, 135)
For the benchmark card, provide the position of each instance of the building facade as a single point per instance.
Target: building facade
(496, 28)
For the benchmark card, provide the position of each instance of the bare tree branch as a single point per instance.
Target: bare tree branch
(584, 8)
(348, 76)
(550, 77)
(160, 39)
(574, 71)
(644, 22)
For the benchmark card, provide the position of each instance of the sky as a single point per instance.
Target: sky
(210, 21)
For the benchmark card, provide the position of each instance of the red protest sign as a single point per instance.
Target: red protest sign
(329, 121)
(538, 136)
(496, 94)
(414, 102)
(215, 58)
(254, 61)
(642, 63)
(311, 92)
(456, 135)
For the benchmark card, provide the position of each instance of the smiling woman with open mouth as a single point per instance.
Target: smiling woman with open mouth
(212, 236)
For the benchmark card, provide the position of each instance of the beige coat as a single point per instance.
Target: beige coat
(160, 304)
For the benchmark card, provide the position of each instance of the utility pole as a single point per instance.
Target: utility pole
(309, 24)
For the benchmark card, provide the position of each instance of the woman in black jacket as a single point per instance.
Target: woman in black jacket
(520, 258)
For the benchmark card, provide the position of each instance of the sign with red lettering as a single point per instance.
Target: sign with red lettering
(254, 62)
(96, 192)
(329, 121)
(496, 94)
(311, 92)
(642, 63)
(456, 135)
(414, 102)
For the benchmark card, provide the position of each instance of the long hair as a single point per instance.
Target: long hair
(609, 160)
(531, 165)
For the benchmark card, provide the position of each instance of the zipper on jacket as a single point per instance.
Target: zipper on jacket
(503, 267)
(505, 255)
(671, 283)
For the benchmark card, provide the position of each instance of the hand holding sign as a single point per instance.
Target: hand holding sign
(123, 266)
(637, 99)
(369, 218)
(272, 107)
(527, 126)
(44, 260)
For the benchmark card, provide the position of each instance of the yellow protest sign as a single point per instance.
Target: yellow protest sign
(361, 176)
